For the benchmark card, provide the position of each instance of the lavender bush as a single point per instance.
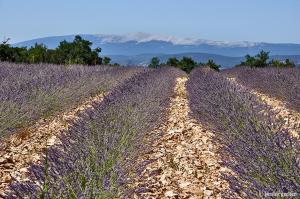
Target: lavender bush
(90, 162)
(30, 92)
(281, 83)
(256, 147)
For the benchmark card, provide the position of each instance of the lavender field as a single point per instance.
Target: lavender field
(31, 92)
(256, 146)
(281, 83)
(231, 144)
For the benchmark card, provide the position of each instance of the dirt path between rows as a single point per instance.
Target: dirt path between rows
(291, 117)
(184, 162)
(27, 146)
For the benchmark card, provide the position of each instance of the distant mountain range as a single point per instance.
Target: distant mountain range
(139, 48)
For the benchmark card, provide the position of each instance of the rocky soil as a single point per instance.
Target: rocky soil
(291, 117)
(27, 146)
(183, 162)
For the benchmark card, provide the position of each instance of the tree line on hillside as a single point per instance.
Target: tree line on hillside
(186, 64)
(261, 60)
(79, 51)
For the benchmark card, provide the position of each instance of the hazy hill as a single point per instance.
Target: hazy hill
(141, 43)
(139, 48)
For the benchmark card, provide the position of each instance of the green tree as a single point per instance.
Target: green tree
(38, 54)
(275, 63)
(278, 63)
(12, 54)
(187, 64)
(173, 61)
(213, 65)
(260, 60)
(20, 55)
(5, 51)
(116, 64)
(289, 63)
(154, 62)
(106, 60)
(77, 52)
(95, 56)
(250, 61)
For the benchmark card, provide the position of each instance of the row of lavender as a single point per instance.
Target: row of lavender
(256, 146)
(31, 92)
(96, 151)
(281, 83)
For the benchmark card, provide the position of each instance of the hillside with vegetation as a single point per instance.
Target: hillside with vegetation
(79, 51)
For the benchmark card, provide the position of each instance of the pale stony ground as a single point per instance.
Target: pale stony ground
(186, 163)
(27, 146)
(291, 117)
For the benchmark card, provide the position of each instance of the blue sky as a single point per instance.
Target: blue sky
(274, 21)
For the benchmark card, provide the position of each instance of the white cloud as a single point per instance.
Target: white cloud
(145, 37)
